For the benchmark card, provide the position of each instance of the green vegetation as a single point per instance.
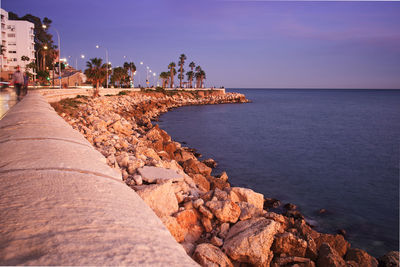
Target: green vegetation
(96, 73)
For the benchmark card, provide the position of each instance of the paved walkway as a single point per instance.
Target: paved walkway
(61, 204)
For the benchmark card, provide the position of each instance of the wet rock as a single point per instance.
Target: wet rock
(327, 256)
(271, 203)
(223, 176)
(290, 206)
(361, 257)
(209, 255)
(289, 244)
(250, 241)
(210, 163)
(224, 211)
(249, 196)
(390, 259)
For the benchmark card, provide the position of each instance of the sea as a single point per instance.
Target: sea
(331, 149)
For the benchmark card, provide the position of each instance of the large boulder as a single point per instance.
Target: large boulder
(194, 166)
(160, 197)
(327, 256)
(249, 196)
(250, 241)
(361, 257)
(290, 245)
(202, 183)
(210, 255)
(176, 230)
(225, 211)
(159, 175)
(337, 242)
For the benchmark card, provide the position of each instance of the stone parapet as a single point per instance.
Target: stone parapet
(62, 205)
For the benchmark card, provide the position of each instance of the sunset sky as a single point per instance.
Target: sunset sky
(263, 44)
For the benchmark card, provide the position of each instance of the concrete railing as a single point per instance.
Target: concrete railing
(61, 204)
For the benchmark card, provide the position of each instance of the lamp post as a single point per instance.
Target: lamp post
(154, 79)
(59, 52)
(141, 63)
(97, 46)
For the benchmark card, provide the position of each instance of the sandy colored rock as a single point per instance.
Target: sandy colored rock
(202, 183)
(160, 198)
(250, 241)
(158, 175)
(198, 202)
(217, 241)
(194, 166)
(248, 211)
(206, 212)
(220, 195)
(225, 211)
(174, 228)
(187, 218)
(223, 230)
(248, 195)
(361, 257)
(289, 244)
(292, 261)
(337, 242)
(207, 224)
(208, 255)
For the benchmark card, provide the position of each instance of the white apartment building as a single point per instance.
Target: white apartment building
(17, 40)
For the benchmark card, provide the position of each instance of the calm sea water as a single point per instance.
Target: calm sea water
(331, 149)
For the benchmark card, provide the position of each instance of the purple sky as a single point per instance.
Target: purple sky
(261, 44)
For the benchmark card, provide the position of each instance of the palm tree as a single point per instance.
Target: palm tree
(182, 59)
(164, 77)
(96, 73)
(191, 65)
(190, 75)
(202, 77)
(132, 68)
(119, 76)
(172, 71)
(197, 76)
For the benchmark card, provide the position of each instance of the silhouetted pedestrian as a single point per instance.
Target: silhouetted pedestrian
(18, 81)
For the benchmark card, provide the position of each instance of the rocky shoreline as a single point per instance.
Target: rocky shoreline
(218, 225)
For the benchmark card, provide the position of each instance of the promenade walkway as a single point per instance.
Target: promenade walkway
(61, 204)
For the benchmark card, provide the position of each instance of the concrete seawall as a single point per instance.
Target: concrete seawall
(62, 205)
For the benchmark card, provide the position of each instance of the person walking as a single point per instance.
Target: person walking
(26, 83)
(18, 81)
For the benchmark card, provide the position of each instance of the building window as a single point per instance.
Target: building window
(11, 35)
(12, 52)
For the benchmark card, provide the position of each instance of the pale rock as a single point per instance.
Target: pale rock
(290, 245)
(225, 211)
(220, 195)
(198, 202)
(138, 179)
(160, 197)
(250, 241)
(159, 175)
(249, 196)
(208, 255)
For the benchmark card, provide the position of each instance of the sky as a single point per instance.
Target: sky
(239, 44)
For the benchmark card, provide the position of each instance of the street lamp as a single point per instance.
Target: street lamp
(59, 52)
(97, 46)
(154, 79)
